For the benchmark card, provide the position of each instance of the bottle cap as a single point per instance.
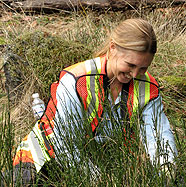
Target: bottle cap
(35, 95)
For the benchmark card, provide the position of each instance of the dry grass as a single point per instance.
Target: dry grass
(85, 32)
(91, 29)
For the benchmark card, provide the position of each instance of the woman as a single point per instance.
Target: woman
(117, 76)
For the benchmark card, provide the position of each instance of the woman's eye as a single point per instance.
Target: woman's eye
(131, 65)
(143, 69)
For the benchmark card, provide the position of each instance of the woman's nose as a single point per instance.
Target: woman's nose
(135, 72)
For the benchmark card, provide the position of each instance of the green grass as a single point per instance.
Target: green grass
(6, 145)
(2, 41)
(45, 44)
(114, 164)
(46, 55)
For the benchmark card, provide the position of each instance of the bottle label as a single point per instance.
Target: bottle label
(38, 110)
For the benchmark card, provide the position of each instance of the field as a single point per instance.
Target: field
(36, 47)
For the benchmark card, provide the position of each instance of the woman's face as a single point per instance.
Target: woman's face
(127, 64)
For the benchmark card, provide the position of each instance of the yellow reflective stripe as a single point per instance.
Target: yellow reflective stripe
(38, 135)
(97, 84)
(147, 89)
(89, 97)
(23, 146)
(38, 162)
(97, 87)
(136, 96)
(48, 137)
(94, 112)
(96, 66)
(88, 70)
(97, 70)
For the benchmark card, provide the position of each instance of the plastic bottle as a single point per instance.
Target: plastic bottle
(38, 106)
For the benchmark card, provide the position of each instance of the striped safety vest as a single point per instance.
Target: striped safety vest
(36, 148)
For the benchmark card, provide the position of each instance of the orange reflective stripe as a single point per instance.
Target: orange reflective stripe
(154, 90)
(130, 98)
(81, 87)
(146, 89)
(44, 133)
(51, 106)
(96, 91)
(23, 156)
(25, 138)
(90, 88)
(47, 120)
(99, 108)
(94, 124)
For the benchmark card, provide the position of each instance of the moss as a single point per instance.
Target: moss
(46, 56)
(174, 80)
(174, 91)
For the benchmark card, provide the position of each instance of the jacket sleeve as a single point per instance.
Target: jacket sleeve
(156, 133)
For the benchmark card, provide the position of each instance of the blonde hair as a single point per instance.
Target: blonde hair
(132, 34)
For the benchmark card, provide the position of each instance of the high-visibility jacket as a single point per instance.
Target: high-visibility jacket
(91, 77)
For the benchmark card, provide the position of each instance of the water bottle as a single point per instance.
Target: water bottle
(38, 106)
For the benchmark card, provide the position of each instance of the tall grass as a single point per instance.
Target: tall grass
(6, 146)
(107, 160)
(47, 44)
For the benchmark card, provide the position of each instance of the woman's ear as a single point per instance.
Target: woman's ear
(112, 48)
